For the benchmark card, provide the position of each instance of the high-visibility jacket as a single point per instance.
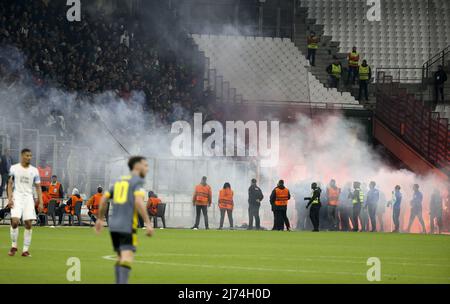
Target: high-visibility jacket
(70, 205)
(46, 198)
(202, 195)
(152, 205)
(336, 70)
(355, 198)
(281, 196)
(45, 175)
(333, 195)
(353, 59)
(364, 72)
(54, 190)
(316, 200)
(313, 42)
(94, 203)
(226, 199)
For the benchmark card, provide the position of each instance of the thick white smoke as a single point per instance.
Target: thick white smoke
(108, 128)
(332, 147)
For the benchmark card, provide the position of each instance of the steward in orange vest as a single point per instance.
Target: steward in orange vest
(73, 200)
(152, 207)
(333, 193)
(45, 174)
(202, 195)
(226, 204)
(45, 199)
(202, 200)
(69, 206)
(152, 203)
(279, 200)
(93, 204)
(55, 190)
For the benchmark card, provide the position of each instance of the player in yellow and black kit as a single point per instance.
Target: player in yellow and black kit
(127, 197)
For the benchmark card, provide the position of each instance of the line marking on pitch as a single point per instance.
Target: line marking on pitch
(231, 267)
(330, 259)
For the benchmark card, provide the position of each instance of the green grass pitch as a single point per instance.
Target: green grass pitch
(185, 256)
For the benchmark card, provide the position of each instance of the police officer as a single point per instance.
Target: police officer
(314, 202)
(279, 199)
(381, 210)
(416, 208)
(345, 207)
(373, 196)
(255, 196)
(303, 220)
(357, 197)
(364, 215)
(436, 210)
(396, 203)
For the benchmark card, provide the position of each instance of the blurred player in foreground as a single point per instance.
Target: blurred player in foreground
(127, 197)
(22, 177)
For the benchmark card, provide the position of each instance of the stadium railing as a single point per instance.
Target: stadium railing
(438, 59)
(413, 122)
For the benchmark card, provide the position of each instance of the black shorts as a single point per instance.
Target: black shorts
(124, 241)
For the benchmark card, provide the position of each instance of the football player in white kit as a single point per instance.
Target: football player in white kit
(22, 177)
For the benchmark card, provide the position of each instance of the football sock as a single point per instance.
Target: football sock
(14, 233)
(124, 272)
(117, 272)
(27, 239)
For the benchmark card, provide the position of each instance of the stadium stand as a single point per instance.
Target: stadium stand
(92, 57)
(253, 64)
(264, 69)
(401, 39)
(85, 59)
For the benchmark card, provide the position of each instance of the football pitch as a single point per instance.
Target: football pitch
(186, 256)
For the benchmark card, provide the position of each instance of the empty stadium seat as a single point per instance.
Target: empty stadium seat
(266, 69)
(410, 31)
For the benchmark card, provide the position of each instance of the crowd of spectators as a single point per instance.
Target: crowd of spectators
(102, 53)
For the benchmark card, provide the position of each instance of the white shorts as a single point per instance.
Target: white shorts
(23, 208)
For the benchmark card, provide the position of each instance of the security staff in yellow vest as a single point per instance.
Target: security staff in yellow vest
(279, 200)
(314, 202)
(334, 71)
(353, 65)
(313, 45)
(357, 197)
(365, 74)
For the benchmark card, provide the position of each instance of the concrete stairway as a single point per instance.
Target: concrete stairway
(324, 56)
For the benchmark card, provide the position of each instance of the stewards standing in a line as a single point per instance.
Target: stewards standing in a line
(279, 200)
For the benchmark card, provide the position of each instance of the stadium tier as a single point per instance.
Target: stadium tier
(408, 34)
(265, 69)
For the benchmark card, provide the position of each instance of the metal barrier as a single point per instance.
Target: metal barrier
(401, 74)
(438, 59)
(73, 164)
(77, 167)
(414, 123)
(174, 179)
